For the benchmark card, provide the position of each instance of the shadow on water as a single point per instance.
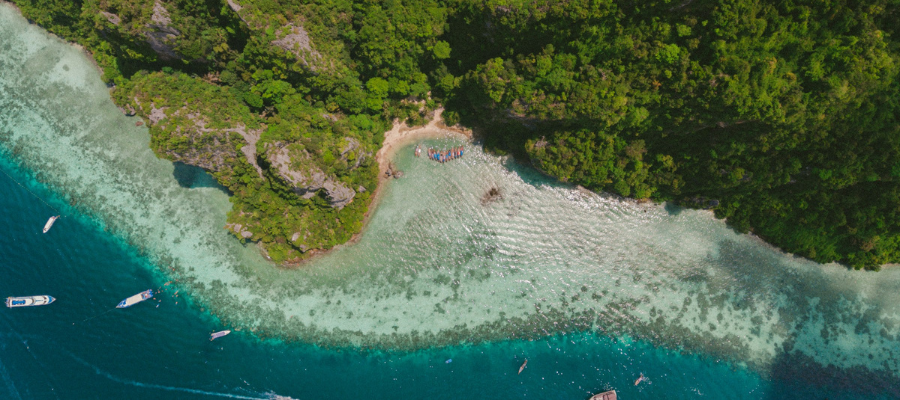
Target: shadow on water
(673, 209)
(533, 176)
(191, 177)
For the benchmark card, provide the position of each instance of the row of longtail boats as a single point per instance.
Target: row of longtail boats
(43, 300)
(442, 156)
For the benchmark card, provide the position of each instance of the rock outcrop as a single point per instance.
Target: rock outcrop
(240, 230)
(207, 148)
(289, 36)
(112, 18)
(294, 165)
(161, 35)
(294, 39)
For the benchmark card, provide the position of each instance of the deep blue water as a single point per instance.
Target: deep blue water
(82, 347)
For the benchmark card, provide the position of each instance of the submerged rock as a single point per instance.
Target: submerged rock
(493, 194)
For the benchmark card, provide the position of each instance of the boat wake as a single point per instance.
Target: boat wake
(8, 383)
(100, 372)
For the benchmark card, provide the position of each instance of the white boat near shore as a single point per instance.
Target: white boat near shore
(136, 299)
(29, 301)
(218, 334)
(50, 222)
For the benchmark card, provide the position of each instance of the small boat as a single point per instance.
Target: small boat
(29, 301)
(639, 380)
(610, 395)
(418, 150)
(217, 335)
(50, 222)
(523, 365)
(136, 299)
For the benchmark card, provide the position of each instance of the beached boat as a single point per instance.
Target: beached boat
(218, 334)
(610, 395)
(29, 301)
(136, 299)
(50, 222)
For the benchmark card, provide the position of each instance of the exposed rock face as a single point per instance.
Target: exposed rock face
(294, 39)
(206, 148)
(305, 179)
(249, 149)
(240, 230)
(291, 37)
(234, 5)
(293, 164)
(162, 35)
(339, 195)
(112, 18)
(156, 114)
(349, 150)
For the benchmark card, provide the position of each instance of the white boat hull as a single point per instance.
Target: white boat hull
(29, 301)
(50, 222)
(135, 299)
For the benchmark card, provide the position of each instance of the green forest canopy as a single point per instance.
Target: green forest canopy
(781, 116)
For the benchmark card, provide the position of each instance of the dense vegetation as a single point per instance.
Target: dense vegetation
(782, 116)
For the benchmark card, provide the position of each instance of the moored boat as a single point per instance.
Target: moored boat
(50, 222)
(136, 299)
(218, 334)
(29, 301)
(610, 395)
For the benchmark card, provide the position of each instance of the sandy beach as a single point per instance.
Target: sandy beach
(401, 135)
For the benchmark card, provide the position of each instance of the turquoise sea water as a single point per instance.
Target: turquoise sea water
(592, 290)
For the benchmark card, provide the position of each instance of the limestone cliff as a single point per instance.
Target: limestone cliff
(293, 164)
(160, 34)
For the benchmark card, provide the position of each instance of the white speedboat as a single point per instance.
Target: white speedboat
(29, 301)
(218, 334)
(136, 299)
(50, 222)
